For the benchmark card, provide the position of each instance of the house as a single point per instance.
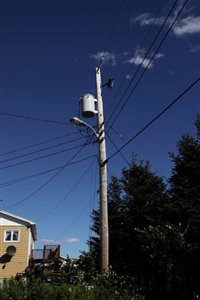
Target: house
(17, 237)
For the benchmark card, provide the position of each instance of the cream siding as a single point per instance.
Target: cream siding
(19, 261)
(10, 266)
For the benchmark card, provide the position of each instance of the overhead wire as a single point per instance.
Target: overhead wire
(48, 181)
(38, 144)
(68, 193)
(122, 155)
(155, 118)
(92, 199)
(116, 21)
(74, 221)
(31, 118)
(41, 157)
(19, 180)
(141, 64)
(88, 133)
(40, 150)
(131, 65)
(116, 132)
(150, 60)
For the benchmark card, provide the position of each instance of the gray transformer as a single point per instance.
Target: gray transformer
(88, 106)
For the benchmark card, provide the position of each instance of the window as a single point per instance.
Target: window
(11, 236)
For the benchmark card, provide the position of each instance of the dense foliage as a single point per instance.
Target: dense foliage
(154, 227)
(107, 286)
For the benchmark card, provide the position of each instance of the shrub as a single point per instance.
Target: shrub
(111, 286)
(107, 286)
(12, 289)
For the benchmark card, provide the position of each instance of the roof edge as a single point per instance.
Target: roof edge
(26, 222)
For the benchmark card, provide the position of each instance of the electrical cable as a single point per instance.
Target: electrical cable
(116, 132)
(131, 65)
(118, 149)
(112, 32)
(91, 201)
(37, 144)
(48, 181)
(40, 150)
(41, 157)
(155, 118)
(19, 180)
(33, 118)
(150, 60)
(77, 217)
(114, 25)
(68, 193)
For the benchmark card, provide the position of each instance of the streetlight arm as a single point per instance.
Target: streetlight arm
(78, 122)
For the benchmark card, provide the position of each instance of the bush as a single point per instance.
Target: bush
(111, 286)
(107, 286)
(15, 290)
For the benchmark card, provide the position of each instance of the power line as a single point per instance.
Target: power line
(77, 217)
(124, 158)
(155, 118)
(38, 144)
(40, 150)
(116, 132)
(114, 25)
(49, 180)
(13, 115)
(141, 64)
(112, 32)
(92, 198)
(68, 194)
(41, 157)
(131, 65)
(19, 180)
(87, 133)
(153, 56)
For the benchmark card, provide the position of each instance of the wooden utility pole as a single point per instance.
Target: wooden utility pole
(104, 231)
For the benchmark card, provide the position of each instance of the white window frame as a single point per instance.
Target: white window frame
(12, 234)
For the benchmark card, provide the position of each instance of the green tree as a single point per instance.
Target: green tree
(185, 206)
(136, 200)
(154, 229)
(145, 205)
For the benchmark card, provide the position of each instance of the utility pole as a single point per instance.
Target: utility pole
(104, 231)
(87, 104)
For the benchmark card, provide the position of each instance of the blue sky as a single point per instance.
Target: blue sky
(48, 54)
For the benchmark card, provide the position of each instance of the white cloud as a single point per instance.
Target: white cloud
(159, 55)
(48, 241)
(184, 26)
(146, 19)
(188, 25)
(126, 53)
(67, 240)
(72, 240)
(139, 58)
(107, 57)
